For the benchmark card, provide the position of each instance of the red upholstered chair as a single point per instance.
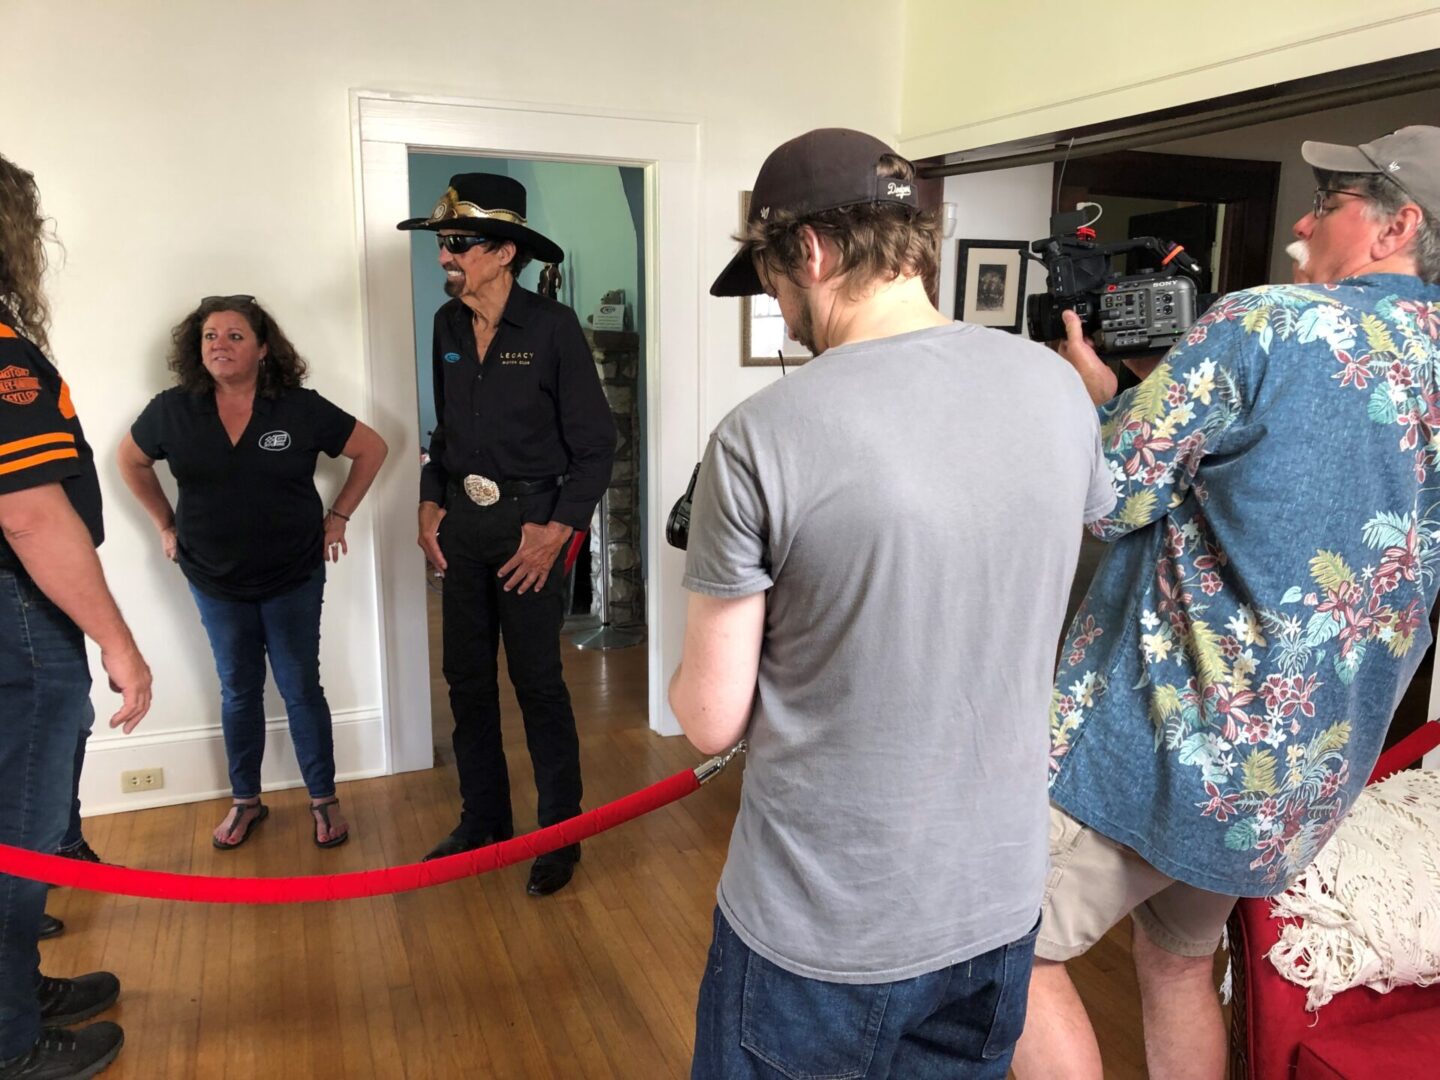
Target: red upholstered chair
(1360, 1034)
(1406, 1044)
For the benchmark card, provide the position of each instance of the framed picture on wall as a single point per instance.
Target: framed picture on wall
(990, 283)
(763, 337)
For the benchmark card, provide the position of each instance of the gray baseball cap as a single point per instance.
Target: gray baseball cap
(1410, 157)
(821, 170)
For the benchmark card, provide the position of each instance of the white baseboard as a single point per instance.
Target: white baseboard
(194, 762)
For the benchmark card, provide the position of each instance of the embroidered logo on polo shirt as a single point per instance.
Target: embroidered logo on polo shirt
(18, 386)
(508, 358)
(452, 357)
(275, 440)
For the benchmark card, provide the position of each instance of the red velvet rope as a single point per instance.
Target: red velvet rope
(156, 885)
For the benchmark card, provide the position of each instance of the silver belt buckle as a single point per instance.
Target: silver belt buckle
(482, 490)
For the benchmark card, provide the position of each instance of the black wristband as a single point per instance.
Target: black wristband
(337, 513)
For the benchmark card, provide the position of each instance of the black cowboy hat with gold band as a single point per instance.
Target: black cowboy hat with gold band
(491, 206)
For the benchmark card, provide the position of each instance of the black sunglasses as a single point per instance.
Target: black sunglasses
(458, 244)
(238, 298)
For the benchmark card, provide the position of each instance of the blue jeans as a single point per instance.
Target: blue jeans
(44, 706)
(756, 1020)
(75, 833)
(287, 628)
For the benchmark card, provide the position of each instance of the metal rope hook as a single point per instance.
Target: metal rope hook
(708, 770)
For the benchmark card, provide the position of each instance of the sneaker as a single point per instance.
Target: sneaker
(50, 927)
(67, 1055)
(82, 851)
(68, 1001)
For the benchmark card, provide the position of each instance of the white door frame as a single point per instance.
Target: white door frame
(385, 128)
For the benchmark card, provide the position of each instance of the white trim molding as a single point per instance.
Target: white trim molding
(195, 764)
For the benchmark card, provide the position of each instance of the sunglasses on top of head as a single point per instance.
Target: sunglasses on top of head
(459, 243)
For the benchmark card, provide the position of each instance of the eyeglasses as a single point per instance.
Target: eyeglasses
(1319, 209)
(458, 244)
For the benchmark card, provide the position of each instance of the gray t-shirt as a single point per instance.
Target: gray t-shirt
(914, 506)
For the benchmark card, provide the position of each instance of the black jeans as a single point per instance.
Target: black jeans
(478, 612)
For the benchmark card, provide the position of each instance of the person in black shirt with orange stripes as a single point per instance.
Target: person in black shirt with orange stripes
(52, 596)
(518, 461)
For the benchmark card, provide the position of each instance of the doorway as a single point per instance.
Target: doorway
(387, 129)
(1222, 210)
(596, 214)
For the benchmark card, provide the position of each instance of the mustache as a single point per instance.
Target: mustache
(1298, 253)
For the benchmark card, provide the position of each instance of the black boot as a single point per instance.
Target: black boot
(50, 927)
(67, 1055)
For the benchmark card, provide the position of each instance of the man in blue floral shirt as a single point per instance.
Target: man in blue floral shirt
(1225, 689)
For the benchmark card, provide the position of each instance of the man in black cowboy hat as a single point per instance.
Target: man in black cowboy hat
(519, 458)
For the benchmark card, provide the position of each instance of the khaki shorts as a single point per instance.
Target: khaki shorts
(1095, 882)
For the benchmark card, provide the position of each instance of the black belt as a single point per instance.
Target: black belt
(510, 489)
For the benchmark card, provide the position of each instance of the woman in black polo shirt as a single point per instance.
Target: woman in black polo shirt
(250, 532)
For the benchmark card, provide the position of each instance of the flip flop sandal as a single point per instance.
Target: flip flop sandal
(261, 815)
(321, 813)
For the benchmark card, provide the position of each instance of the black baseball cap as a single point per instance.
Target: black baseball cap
(821, 170)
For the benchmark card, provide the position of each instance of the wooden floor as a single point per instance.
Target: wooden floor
(471, 979)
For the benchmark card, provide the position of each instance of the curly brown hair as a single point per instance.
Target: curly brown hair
(876, 242)
(282, 369)
(22, 253)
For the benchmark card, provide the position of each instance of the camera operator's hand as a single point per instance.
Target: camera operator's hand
(1100, 381)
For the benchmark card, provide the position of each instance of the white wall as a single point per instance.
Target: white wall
(1008, 204)
(978, 74)
(1280, 141)
(187, 149)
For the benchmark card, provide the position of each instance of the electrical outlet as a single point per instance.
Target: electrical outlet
(142, 779)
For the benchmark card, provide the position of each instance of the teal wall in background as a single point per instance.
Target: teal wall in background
(583, 208)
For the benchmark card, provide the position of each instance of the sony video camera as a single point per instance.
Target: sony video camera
(1122, 312)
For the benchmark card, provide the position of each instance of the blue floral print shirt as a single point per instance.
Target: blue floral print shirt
(1226, 686)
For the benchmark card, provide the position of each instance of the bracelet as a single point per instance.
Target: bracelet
(337, 513)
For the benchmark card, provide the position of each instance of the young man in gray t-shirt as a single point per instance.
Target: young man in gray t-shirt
(881, 548)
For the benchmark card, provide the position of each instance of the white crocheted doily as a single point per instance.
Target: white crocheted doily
(1371, 900)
